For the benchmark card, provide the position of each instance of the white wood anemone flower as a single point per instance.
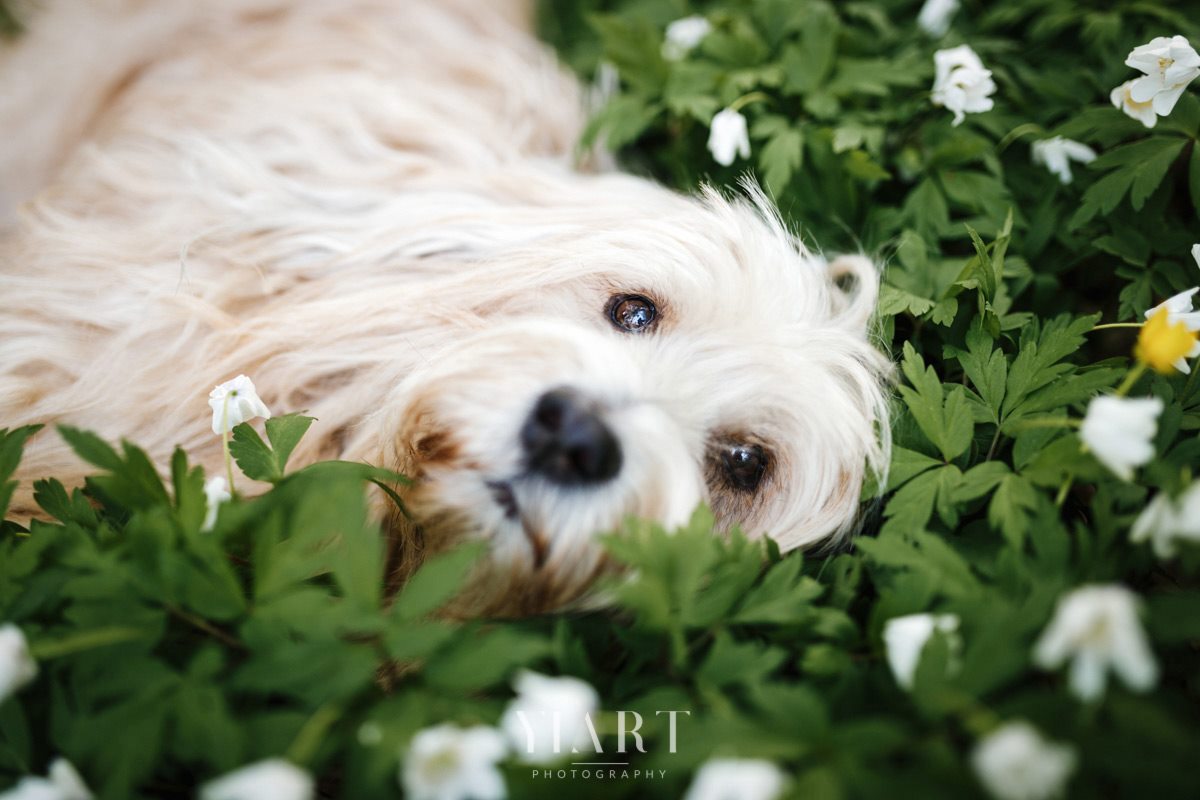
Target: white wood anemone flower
(1170, 63)
(447, 762)
(683, 35)
(1015, 762)
(17, 665)
(1180, 311)
(1122, 98)
(216, 492)
(1120, 431)
(62, 782)
(1196, 254)
(1057, 153)
(935, 16)
(905, 638)
(961, 83)
(737, 779)
(1167, 521)
(1097, 629)
(273, 778)
(549, 717)
(234, 402)
(728, 137)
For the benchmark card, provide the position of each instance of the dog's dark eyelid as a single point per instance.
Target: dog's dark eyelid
(632, 313)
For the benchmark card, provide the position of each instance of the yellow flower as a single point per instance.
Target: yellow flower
(1162, 343)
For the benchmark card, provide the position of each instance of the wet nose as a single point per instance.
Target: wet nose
(567, 442)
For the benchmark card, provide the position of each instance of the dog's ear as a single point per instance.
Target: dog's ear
(856, 279)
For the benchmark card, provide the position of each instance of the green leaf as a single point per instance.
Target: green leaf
(783, 597)
(946, 422)
(906, 465)
(437, 581)
(1194, 179)
(285, 432)
(1011, 508)
(12, 445)
(980, 480)
(634, 46)
(985, 367)
(1137, 168)
(781, 157)
(894, 301)
(926, 209)
(733, 662)
(91, 448)
(253, 455)
(486, 659)
(620, 122)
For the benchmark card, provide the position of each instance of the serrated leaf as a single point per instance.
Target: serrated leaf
(253, 455)
(285, 432)
(781, 157)
(91, 448)
(437, 581)
(906, 465)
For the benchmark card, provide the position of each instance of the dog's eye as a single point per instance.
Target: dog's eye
(632, 312)
(743, 465)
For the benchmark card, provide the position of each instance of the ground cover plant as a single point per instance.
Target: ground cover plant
(1020, 617)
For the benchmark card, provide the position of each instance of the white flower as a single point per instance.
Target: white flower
(447, 762)
(961, 83)
(683, 35)
(1166, 521)
(1142, 112)
(1179, 310)
(1170, 64)
(1014, 762)
(17, 667)
(235, 402)
(935, 15)
(549, 717)
(61, 783)
(737, 779)
(905, 638)
(1196, 254)
(1097, 628)
(272, 779)
(1057, 153)
(728, 137)
(216, 491)
(1120, 430)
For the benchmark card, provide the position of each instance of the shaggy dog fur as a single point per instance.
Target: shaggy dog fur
(370, 208)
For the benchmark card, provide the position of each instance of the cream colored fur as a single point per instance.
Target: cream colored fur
(370, 208)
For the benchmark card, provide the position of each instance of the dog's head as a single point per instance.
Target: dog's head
(636, 362)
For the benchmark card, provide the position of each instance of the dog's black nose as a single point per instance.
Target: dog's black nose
(567, 442)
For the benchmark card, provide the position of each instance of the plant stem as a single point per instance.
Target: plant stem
(225, 442)
(84, 640)
(204, 625)
(1191, 382)
(1061, 497)
(1131, 379)
(746, 100)
(992, 448)
(308, 740)
(1110, 325)
(1047, 422)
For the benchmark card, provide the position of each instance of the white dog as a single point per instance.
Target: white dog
(369, 207)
